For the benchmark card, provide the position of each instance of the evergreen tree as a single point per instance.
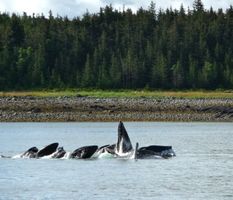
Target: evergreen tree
(115, 72)
(198, 6)
(88, 79)
(24, 67)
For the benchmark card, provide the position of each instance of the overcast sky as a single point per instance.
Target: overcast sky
(72, 8)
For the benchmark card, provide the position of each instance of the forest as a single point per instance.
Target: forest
(150, 48)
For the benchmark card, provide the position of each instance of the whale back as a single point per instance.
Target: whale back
(156, 148)
(51, 148)
(123, 143)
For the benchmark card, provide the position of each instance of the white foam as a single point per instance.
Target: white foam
(47, 157)
(105, 155)
(66, 156)
(17, 156)
(127, 155)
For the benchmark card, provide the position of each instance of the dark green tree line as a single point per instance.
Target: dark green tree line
(164, 49)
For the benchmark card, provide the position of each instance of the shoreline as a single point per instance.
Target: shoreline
(91, 109)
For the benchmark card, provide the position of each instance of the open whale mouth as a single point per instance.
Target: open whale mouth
(122, 149)
(124, 144)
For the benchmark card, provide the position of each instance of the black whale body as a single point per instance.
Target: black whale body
(106, 148)
(60, 153)
(48, 150)
(155, 150)
(84, 152)
(30, 153)
(123, 144)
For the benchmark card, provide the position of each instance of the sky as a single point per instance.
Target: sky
(73, 8)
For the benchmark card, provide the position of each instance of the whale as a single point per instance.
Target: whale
(34, 152)
(105, 151)
(84, 152)
(123, 144)
(30, 153)
(47, 150)
(59, 153)
(155, 151)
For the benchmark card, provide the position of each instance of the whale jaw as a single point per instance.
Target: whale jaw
(84, 152)
(48, 150)
(123, 143)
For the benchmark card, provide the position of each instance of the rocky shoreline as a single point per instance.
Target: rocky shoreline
(62, 109)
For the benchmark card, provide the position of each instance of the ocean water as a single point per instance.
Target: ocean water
(202, 169)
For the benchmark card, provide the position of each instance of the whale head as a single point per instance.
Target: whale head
(123, 143)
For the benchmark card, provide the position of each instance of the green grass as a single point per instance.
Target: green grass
(122, 93)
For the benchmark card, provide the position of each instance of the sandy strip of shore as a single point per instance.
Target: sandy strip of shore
(61, 109)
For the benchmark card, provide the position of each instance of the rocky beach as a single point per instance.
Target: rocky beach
(62, 109)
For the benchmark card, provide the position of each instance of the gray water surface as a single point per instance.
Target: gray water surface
(202, 169)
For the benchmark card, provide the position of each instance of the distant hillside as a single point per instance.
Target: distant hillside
(171, 49)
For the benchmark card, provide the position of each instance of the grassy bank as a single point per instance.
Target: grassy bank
(121, 93)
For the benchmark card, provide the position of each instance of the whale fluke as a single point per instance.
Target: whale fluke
(123, 143)
(84, 152)
(51, 148)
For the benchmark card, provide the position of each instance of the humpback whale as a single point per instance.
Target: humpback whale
(84, 152)
(154, 151)
(123, 144)
(106, 151)
(33, 152)
(48, 150)
(60, 153)
(30, 153)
